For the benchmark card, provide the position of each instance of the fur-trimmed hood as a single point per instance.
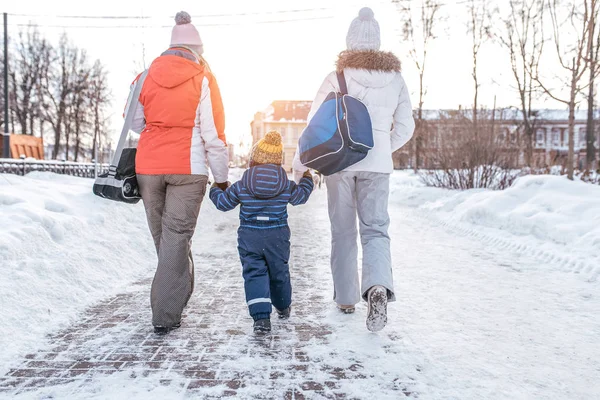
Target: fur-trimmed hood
(370, 68)
(370, 60)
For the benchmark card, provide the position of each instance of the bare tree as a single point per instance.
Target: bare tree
(466, 159)
(64, 87)
(78, 115)
(479, 23)
(523, 37)
(594, 60)
(24, 75)
(418, 29)
(572, 47)
(98, 100)
(56, 85)
(1, 99)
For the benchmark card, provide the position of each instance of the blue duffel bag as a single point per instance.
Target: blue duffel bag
(339, 134)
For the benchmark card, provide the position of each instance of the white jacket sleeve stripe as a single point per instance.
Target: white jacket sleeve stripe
(205, 133)
(404, 123)
(138, 122)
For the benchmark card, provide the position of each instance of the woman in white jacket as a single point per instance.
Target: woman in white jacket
(362, 189)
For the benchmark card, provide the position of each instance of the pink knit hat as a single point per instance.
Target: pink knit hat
(184, 33)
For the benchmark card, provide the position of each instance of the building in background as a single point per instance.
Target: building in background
(550, 140)
(288, 117)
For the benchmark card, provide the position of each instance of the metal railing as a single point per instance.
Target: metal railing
(24, 166)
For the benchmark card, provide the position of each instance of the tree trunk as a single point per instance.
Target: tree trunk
(67, 136)
(475, 100)
(12, 122)
(590, 157)
(77, 130)
(418, 145)
(31, 122)
(96, 141)
(77, 144)
(418, 130)
(475, 109)
(94, 144)
(58, 129)
(529, 145)
(57, 137)
(571, 154)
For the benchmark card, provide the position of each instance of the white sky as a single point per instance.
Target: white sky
(256, 63)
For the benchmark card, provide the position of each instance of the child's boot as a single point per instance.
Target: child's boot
(285, 313)
(262, 325)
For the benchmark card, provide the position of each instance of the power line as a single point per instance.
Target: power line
(171, 26)
(407, 6)
(397, 3)
(78, 16)
(170, 17)
(125, 17)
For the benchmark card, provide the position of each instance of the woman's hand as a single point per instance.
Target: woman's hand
(222, 186)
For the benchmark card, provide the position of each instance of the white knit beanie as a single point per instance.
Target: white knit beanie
(185, 34)
(364, 32)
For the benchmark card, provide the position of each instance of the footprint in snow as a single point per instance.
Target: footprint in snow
(55, 206)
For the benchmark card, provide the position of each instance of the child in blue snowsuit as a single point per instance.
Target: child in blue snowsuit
(264, 236)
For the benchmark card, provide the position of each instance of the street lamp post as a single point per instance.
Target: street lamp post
(6, 139)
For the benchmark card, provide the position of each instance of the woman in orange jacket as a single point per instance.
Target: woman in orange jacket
(180, 116)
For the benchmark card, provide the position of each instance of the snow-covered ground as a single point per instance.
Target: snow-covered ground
(61, 250)
(542, 215)
(498, 292)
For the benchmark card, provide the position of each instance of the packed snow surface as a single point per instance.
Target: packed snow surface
(497, 292)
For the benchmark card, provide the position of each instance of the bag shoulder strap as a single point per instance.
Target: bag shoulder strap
(130, 109)
(342, 81)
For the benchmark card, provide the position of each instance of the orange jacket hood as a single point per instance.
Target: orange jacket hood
(170, 71)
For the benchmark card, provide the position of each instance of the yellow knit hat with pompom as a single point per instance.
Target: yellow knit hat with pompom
(268, 150)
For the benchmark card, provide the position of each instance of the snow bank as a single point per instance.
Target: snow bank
(539, 211)
(406, 189)
(61, 250)
(546, 207)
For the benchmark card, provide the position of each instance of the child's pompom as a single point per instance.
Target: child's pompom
(273, 138)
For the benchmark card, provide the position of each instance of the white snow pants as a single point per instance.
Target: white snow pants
(363, 194)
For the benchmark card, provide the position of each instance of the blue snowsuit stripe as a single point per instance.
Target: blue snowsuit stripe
(264, 193)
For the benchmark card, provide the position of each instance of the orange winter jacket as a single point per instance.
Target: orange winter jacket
(180, 116)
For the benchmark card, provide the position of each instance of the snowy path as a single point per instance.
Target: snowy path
(473, 320)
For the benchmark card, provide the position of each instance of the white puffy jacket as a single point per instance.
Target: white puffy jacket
(374, 78)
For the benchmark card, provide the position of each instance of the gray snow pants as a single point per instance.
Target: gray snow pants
(363, 194)
(172, 204)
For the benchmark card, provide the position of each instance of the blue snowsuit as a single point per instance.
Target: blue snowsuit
(264, 236)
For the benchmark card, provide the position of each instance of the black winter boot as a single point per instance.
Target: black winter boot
(163, 330)
(285, 313)
(262, 325)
